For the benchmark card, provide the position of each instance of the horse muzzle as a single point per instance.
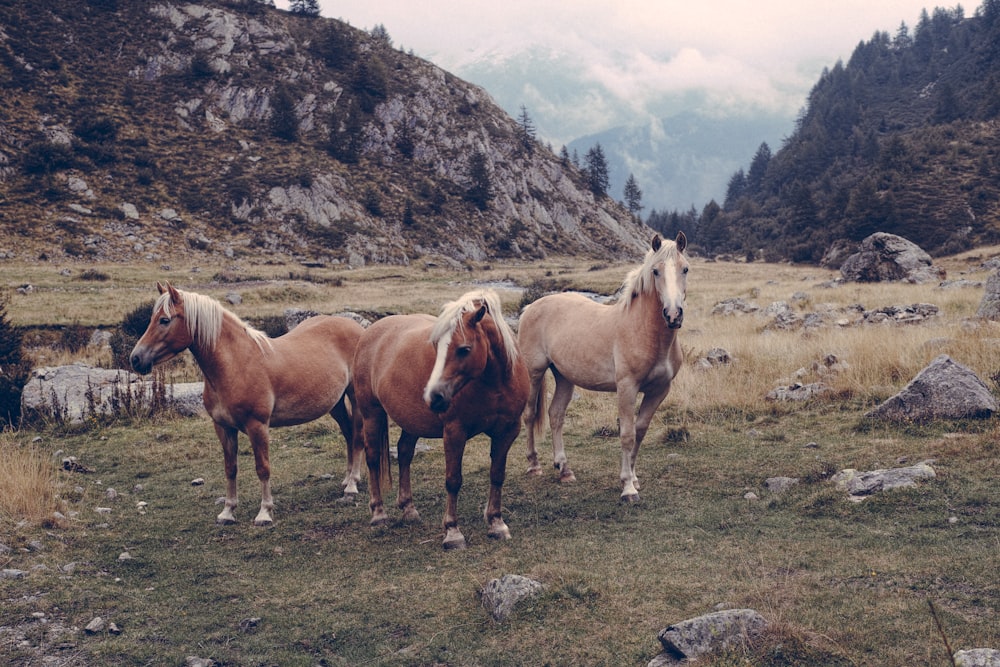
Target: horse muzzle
(673, 322)
(141, 363)
(439, 402)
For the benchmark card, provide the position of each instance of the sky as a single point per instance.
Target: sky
(735, 54)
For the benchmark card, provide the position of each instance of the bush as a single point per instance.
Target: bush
(128, 334)
(14, 369)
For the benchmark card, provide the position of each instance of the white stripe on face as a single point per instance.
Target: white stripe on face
(442, 354)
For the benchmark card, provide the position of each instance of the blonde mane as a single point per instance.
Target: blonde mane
(640, 279)
(204, 316)
(452, 311)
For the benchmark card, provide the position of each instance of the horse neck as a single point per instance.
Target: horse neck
(645, 315)
(498, 364)
(212, 358)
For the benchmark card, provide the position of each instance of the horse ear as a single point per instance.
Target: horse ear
(655, 244)
(175, 296)
(480, 314)
(160, 288)
(682, 241)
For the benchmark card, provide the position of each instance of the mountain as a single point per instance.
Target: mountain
(680, 158)
(684, 160)
(904, 138)
(137, 130)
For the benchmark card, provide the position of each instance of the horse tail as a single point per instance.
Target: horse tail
(537, 424)
(384, 463)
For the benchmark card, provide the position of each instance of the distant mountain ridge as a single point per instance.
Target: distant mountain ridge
(134, 130)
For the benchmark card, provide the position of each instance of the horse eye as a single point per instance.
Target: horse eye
(656, 272)
(685, 270)
(164, 321)
(463, 351)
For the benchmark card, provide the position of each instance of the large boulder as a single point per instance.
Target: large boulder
(989, 307)
(945, 389)
(686, 641)
(885, 257)
(77, 391)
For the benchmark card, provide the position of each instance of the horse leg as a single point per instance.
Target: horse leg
(228, 439)
(533, 419)
(454, 449)
(404, 499)
(376, 431)
(630, 447)
(557, 415)
(344, 419)
(260, 440)
(647, 408)
(499, 447)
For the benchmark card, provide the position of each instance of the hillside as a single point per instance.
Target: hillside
(903, 138)
(143, 130)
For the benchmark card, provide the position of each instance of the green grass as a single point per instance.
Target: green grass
(841, 583)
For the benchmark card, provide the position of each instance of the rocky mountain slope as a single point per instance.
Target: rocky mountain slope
(144, 130)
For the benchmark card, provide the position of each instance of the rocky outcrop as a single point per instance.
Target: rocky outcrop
(884, 257)
(945, 389)
(989, 307)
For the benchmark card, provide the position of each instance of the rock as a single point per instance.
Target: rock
(977, 657)
(500, 596)
(77, 389)
(71, 464)
(884, 257)
(989, 307)
(780, 484)
(96, 625)
(734, 306)
(944, 389)
(690, 639)
(862, 484)
(195, 661)
(797, 392)
(12, 573)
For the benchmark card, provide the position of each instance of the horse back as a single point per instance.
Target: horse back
(393, 362)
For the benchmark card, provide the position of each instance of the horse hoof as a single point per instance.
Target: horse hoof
(346, 499)
(499, 533)
(378, 521)
(411, 515)
(220, 521)
(533, 471)
(263, 523)
(630, 498)
(567, 476)
(453, 539)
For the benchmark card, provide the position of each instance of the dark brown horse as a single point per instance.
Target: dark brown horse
(629, 347)
(253, 382)
(451, 378)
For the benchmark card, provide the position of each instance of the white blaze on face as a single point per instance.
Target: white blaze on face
(442, 354)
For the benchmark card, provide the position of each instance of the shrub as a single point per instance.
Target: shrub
(128, 334)
(14, 369)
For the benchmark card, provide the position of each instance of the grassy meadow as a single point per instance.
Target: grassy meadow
(841, 583)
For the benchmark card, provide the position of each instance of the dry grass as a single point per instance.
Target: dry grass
(27, 483)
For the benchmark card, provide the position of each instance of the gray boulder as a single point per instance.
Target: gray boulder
(977, 657)
(989, 307)
(687, 640)
(76, 390)
(945, 389)
(863, 484)
(500, 596)
(885, 257)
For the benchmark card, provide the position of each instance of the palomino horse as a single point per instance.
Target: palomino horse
(451, 378)
(628, 347)
(253, 382)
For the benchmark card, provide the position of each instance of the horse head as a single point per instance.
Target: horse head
(669, 274)
(166, 336)
(462, 355)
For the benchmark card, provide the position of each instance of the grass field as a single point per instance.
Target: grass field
(840, 583)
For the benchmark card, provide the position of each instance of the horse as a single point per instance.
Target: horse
(253, 382)
(628, 347)
(450, 377)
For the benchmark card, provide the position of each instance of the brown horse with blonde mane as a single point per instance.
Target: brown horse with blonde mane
(253, 382)
(628, 347)
(452, 377)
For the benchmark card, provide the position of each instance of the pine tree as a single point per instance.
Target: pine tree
(14, 369)
(633, 195)
(304, 7)
(284, 121)
(481, 191)
(526, 131)
(597, 171)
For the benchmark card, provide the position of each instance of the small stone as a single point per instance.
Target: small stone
(111, 494)
(103, 510)
(123, 556)
(95, 626)
(11, 573)
(114, 629)
(750, 496)
(198, 481)
(953, 520)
